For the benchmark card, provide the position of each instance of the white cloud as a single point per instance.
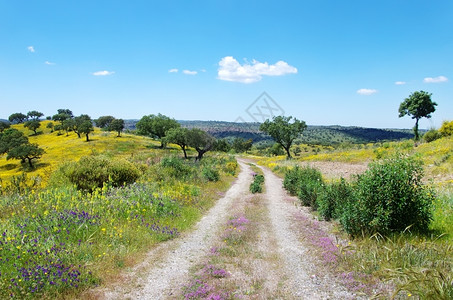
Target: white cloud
(31, 49)
(435, 79)
(231, 70)
(366, 92)
(400, 82)
(49, 63)
(173, 71)
(103, 73)
(188, 72)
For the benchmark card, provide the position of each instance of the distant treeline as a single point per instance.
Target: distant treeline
(316, 135)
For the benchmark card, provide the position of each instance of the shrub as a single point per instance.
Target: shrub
(92, 172)
(175, 167)
(333, 198)
(256, 185)
(447, 128)
(389, 197)
(304, 182)
(210, 174)
(431, 135)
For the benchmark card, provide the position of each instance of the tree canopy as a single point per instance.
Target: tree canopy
(17, 118)
(16, 145)
(104, 121)
(4, 125)
(116, 125)
(33, 125)
(156, 126)
(283, 131)
(200, 140)
(418, 105)
(34, 115)
(178, 136)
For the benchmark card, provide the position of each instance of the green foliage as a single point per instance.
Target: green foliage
(332, 199)
(389, 197)
(32, 125)
(256, 185)
(92, 172)
(276, 150)
(210, 174)
(116, 125)
(26, 151)
(200, 140)
(34, 115)
(306, 183)
(3, 126)
(418, 105)
(447, 128)
(17, 118)
(178, 136)
(282, 131)
(156, 126)
(11, 138)
(175, 167)
(222, 145)
(241, 145)
(431, 135)
(104, 121)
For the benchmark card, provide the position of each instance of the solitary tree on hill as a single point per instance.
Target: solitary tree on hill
(283, 131)
(418, 105)
(26, 152)
(200, 140)
(33, 125)
(116, 125)
(34, 115)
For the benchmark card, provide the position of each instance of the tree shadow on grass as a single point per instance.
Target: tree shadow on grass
(8, 167)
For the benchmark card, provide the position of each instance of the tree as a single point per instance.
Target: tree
(78, 121)
(156, 126)
(17, 118)
(24, 152)
(200, 140)
(50, 126)
(68, 125)
(104, 121)
(418, 105)
(65, 111)
(61, 117)
(11, 138)
(179, 137)
(222, 145)
(3, 126)
(33, 125)
(116, 125)
(85, 128)
(34, 115)
(284, 132)
(241, 145)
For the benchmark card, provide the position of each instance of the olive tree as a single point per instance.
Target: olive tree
(200, 140)
(156, 126)
(178, 136)
(116, 125)
(283, 131)
(418, 105)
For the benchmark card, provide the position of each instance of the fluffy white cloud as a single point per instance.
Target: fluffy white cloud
(400, 82)
(103, 73)
(435, 79)
(49, 63)
(188, 72)
(31, 49)
(173, 71)
(366, 92)
(231, 70)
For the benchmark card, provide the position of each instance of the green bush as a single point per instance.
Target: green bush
(92, 172)
(389, 197)
(210, 174)
(256, 185)
(447, 128)
(175, 167)
(431, 135)
(333, 198)
(306, 183)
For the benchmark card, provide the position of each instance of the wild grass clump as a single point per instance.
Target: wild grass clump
(256, 185)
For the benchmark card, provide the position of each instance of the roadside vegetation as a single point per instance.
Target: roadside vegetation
(87, 209)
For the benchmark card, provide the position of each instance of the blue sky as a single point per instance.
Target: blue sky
(326, 62)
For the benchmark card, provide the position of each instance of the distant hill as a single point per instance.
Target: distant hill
(317, 135)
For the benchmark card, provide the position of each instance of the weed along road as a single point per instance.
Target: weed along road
(246, 246)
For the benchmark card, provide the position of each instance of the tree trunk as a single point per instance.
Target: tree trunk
(29, 162)
(288, 154)
(184, 150)
(87, 137)
(416, 130)
(119, 134)
(200, 154)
